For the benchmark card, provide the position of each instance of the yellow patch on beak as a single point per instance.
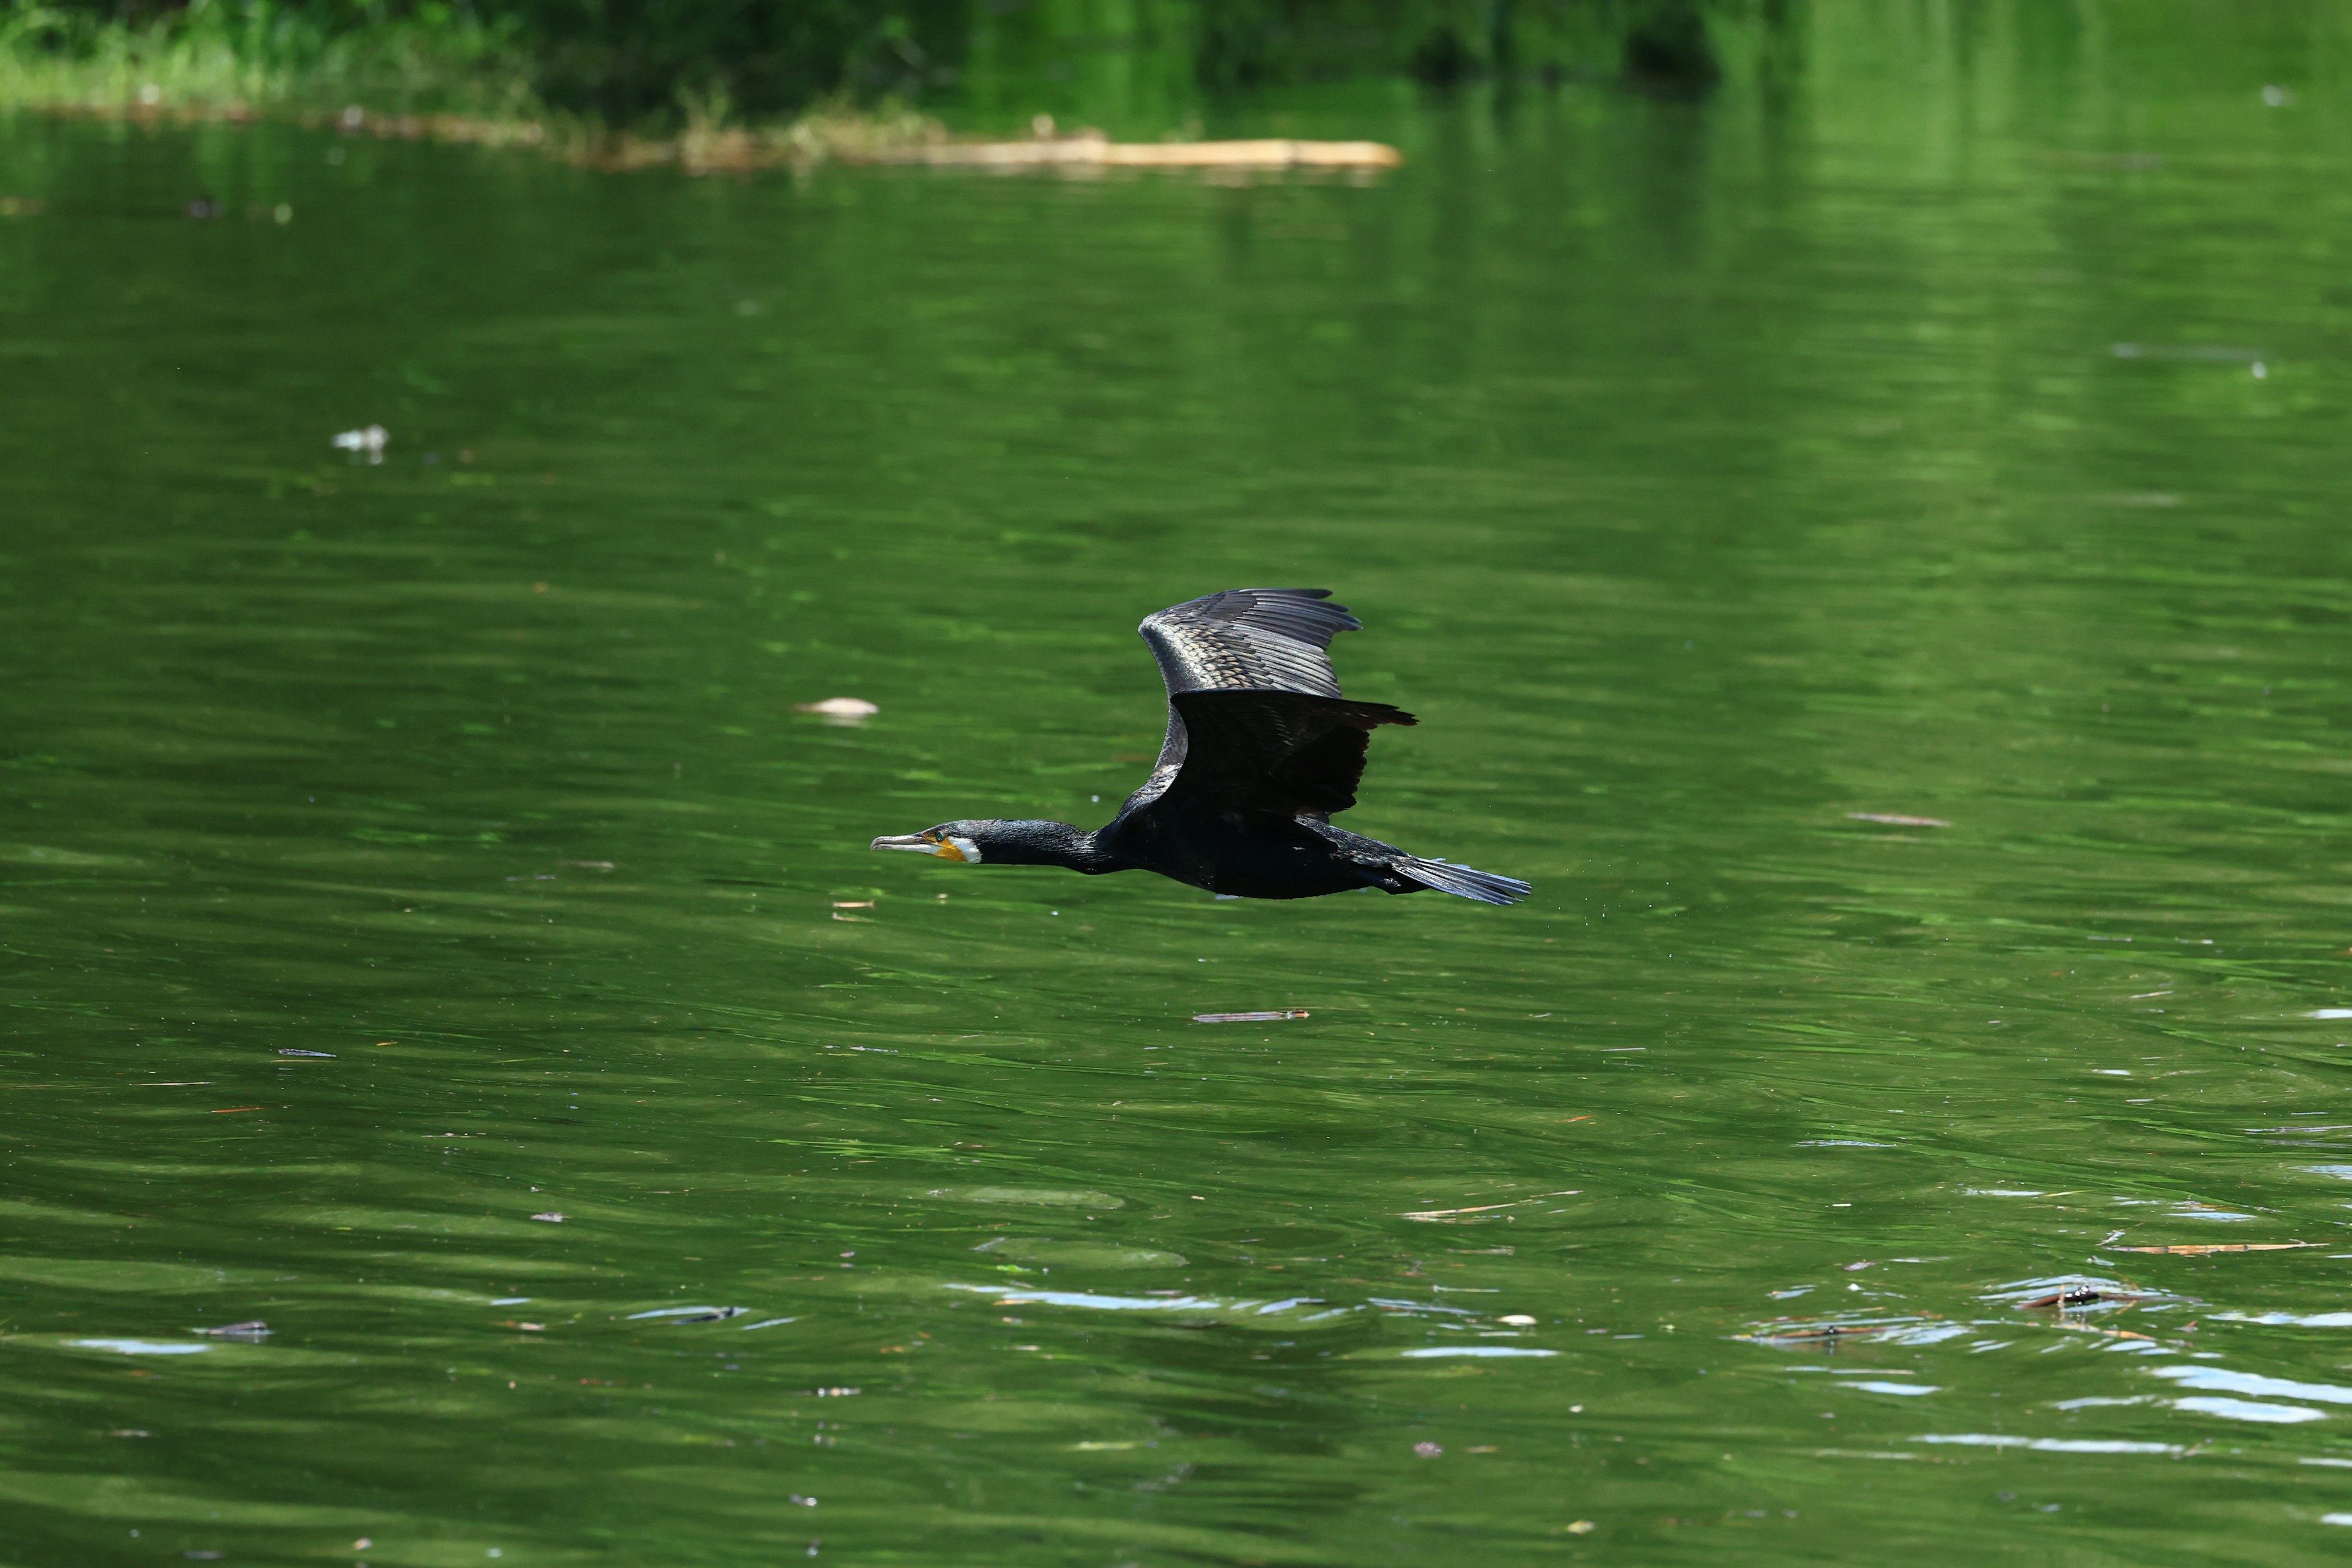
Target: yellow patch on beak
(948, 850)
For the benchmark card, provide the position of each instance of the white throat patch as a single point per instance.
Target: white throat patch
(965, 847)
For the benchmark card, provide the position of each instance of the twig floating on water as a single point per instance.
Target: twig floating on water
(2084, 1296)
(1443, 1216)
(2199, 1250)
(1249, 1017)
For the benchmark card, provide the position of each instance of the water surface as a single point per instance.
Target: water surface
(427, 915)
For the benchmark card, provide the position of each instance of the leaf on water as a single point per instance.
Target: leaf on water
(1897, 820)
(1249, 1017)
(2200, 1248)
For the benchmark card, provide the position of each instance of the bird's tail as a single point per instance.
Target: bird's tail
(1463, 882)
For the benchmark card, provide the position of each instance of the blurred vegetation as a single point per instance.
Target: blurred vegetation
(639, 62)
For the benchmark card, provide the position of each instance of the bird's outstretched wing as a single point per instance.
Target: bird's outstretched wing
(1256, 721)
(1275, 753)
(1249, 639)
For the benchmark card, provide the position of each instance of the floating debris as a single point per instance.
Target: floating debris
(1441, 1216)
(1427, 1451)
(2079, 1296)
(1516, 1319)
(587, 865)
(291, 1051)
(549, 1218)
(1093, 149)
(1273, 1017)
(367, 442)
(2069, 1292)
(847, 710)
(252, 1332)
(1896, 820)
(1817, 1332)
(692, 1314)
(2199, 1248)
(853, 904)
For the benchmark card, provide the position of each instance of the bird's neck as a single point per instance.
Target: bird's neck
(1058, 843)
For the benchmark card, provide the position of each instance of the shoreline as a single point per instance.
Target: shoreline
(885, 135)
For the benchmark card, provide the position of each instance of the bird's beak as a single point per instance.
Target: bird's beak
(914, 841)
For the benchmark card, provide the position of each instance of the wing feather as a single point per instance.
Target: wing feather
(1250, 639)
(1244, 640)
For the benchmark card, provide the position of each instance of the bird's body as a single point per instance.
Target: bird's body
(1262, 749)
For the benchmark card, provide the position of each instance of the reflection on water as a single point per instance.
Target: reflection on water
(429, 913)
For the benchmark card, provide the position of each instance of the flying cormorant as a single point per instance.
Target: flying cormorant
(1261, 751)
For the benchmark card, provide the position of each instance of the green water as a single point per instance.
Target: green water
(1705, 474)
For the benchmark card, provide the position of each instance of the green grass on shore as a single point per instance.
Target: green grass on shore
(439, 73)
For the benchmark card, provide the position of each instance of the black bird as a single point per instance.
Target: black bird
(1262, 750)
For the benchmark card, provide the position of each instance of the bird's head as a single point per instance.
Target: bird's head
(1000, 843)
